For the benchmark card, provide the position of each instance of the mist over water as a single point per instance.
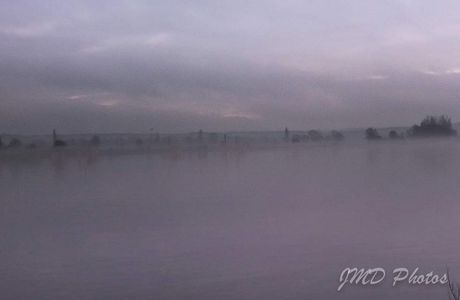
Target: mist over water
(271, 223)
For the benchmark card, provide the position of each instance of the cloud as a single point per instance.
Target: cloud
(127, 42)
(451, 71)
(376, 77)
(29, 31)
(179, 65)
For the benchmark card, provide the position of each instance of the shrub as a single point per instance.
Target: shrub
(394, 135)
(315, 135)
(337, 135)
(95, 141)
(14, 143)
(372, 134)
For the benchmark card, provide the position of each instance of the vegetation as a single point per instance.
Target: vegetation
(433, 126)
(395, 135)
(286, 134)
(315, 135)
(372, 134)
(14, 143)
(213, 137)
(300, 138)
(57, 142)
(430, 126)
(337, 135)
(95, 141)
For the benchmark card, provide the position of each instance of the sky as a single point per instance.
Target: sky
(178, 66)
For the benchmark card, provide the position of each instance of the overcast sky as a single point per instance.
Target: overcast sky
(128, 66)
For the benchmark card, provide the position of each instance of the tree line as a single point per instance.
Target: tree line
(431, 126)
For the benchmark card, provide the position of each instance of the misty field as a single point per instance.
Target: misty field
(265, 223)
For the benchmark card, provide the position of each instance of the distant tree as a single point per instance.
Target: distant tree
(213, 137)
(394, 135)
(286, 134)
(200, 135)
(1, 143)
(337, 135)
(31, 146)
(372, 134)
(189, 139)
(433, 126)
(57, 142)
(14, 143)
(315, 135)
(95, 141)
(139, 142)
(298, 138)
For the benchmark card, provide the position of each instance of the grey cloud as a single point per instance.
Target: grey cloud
(226, 65)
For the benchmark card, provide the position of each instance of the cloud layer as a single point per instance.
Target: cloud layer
(118, 66)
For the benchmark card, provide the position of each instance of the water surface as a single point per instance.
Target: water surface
(272, 223)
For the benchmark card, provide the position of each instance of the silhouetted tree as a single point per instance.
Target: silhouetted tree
(337, 135)
(1, 143)
(286, 134)
(31, 146)
(394, 135)
(315, 135)
(95, 141)
(200, 135)
(56, 141)
(213, 137)
(14, 143)
(372, 134)
(433, 126)
(298, 138)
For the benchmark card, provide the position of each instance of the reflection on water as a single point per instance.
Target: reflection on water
(242, 224)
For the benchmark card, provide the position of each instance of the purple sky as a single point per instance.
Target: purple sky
(120, 66)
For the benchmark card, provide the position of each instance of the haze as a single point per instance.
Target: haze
(176, 66)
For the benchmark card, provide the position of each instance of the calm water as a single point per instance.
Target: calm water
(259, 224)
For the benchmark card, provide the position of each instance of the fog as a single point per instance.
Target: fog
(176, 149)
(235, 223)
